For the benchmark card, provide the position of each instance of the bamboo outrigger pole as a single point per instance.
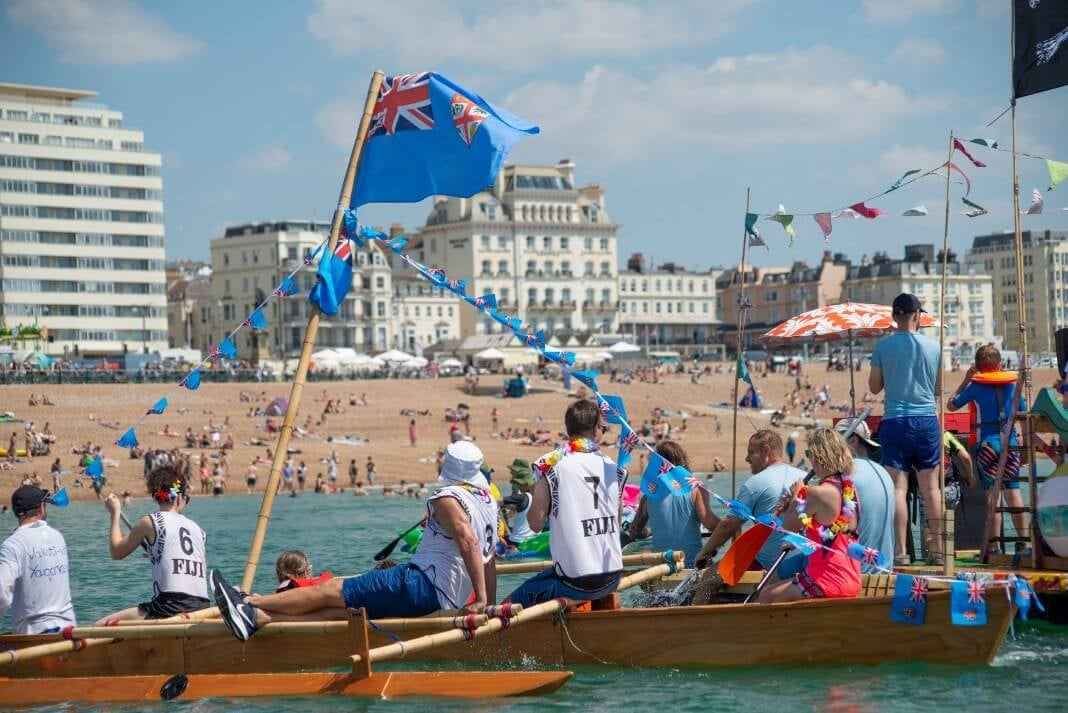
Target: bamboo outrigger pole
(312, 329)
(741, 328)
(946, 543)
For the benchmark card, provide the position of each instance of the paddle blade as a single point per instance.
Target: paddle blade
(60, 498)
(742, 553)
(387, 550)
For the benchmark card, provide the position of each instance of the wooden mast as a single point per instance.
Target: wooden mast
(740, 361)
(946, 545)
(310, 332)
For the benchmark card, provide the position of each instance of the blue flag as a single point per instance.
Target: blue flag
(191, 380)
(95, 469)
(398, 244)
(288, 288)
(909, 605)
(256, 320)
(801, 543)
(743, 371)
(1025, 596)
(333, 279)
(158, 407)
(483, 302)
(430, 136)
(651, 485)
(967, 603)
(870, 558)
(127, 440)
(227, 350)
(587, 377)
(677, 479)
(612, 409)
(567, 358)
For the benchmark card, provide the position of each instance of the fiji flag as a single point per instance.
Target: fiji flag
(968, 603)
(909, 605)
(651, 485)
(432, 137)
(333, 278)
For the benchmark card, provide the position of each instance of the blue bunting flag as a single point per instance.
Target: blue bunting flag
(333, 279)
(799, 542)
(459, 287)
(288, 288)
(513, 323)
(127, 440)
(191, 380)
(1024, 596)
(651, 485)
(677, 479)
(968, 603)
(560, 357)
(612, 408)
(158, 407)
(739, 510)
(95, 469)
(482, 302)
(398, 244)
(909, 605)
(228, 350)
(587, 377)
(868, 556)
(256, 320)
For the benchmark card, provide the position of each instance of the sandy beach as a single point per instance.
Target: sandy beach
(79, 409)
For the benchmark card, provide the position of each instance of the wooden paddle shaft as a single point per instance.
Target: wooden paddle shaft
(430, 641)
(297, 389)
(13, 656)
(635, 560)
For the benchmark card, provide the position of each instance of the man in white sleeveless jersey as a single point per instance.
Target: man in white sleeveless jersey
(175, 546)
(453, 568)
(578, 491)
(34, 577)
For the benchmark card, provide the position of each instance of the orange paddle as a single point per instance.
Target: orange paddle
(742, 552)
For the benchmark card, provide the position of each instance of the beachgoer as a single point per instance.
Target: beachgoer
(992, 391)
(578, 492)
(331, 471)
(287, 475)
(176, 549)
(761, 493)
(791, 448)
(34, 573)
(875, 489)
(454, 560)
(293, 569)
(829, 513)
(675, 521)
(413, 436)
(302, 469)
(218, 484)
(370, 467)
(521, 498)
(250, 477)
(57, 475)
(906, 365)
(354, 472)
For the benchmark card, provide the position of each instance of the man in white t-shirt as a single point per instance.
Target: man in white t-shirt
(578, 490)
(34, 577)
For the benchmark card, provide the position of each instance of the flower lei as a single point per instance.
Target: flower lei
(171, 494)
(577, 445)
(845, 514)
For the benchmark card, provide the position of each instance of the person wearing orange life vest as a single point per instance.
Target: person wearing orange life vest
(991, 392)
(293, 569)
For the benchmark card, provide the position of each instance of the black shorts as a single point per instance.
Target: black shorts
(251, 482)
(168, 604)
(216, 490)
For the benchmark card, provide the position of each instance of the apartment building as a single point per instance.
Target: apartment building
(544, 246)
(251, 259)
(422, 313)
(969, 296)
(1045, 273)
(81, 224)
(667, 304)
(188, 305)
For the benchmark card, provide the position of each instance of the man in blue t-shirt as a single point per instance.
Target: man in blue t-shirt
(905, 364)
(993, 402)
(875, 492)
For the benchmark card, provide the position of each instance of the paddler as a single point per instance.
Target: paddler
(578, 491)
(293, 569)
(455, 558)
(992, 391)
(520, 499)
(34, 574)
(176, 549)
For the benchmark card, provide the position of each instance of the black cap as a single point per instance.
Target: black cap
(26, 499)
(906, 303)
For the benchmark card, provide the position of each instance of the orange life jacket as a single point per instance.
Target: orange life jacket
(993, 378)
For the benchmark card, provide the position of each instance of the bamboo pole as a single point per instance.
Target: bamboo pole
(741, 330)
(634, 560)
(422, 643)
(945, 545)
(312, 329)
(14, 656)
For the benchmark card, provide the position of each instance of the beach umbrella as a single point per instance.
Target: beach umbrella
(603, 356)
(451, 364)
(415, 363)
(490, 354)
(624, 348)
(394, 355)
(848, 320)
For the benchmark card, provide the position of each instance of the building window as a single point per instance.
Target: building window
(606, 297)
(502, 242)
(532, 296)
(565, 244)
(380, 282)
(704, 308)
(485, 242)
(606, 269)
(565, 294)
(532, 267)
(487, 268)
(588, 269)
(587, 244)
(565, 268)
(691, 307)
(502, 267)
(604, 244)
(548, 268)
(771, 296)
(547, 243)
(669, 306)
(658, 308)
(530, 242)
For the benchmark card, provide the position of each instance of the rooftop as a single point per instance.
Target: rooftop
(288, 226)
(31, 92)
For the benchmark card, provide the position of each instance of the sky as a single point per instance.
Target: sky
(676, 108)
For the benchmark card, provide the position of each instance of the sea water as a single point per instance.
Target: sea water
(341, 533)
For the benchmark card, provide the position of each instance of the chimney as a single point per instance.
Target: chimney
(635, 263)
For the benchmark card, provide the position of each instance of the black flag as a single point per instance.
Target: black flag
(1040, 51)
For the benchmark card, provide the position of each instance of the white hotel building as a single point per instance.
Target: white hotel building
(545, 247)
(81, 224)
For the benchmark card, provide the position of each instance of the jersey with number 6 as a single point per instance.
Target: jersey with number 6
(584, 515)
(439, 557)
(179, 563)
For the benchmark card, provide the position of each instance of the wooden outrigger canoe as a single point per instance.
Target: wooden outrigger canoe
(848, 631)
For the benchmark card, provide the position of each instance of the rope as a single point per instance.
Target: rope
(567, 633)
(384, 631)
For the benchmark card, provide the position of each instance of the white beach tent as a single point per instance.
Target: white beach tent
(623, 348)
(395, 355)
(490, 354)
(451, 363)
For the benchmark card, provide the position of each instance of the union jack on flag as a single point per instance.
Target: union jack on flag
(871, 556)
(213, 352)
(403, 105)
(919, 590)
(665, 466)
(976, 593)
(630, 442)
(606, 410)
(457, 285)
(343, 249)
(480, 302)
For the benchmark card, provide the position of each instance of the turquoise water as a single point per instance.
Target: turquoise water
(341, 533)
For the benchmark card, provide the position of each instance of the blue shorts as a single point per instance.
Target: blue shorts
(791, 566)
(548, 585)
(911, 442)
(398, 591)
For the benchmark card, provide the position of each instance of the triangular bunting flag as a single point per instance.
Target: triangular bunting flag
(257, 320)
(800, 543)
(824, 221)
(191, 380)
(743, 371)
(989, 143)
(957, 145)
(536, 340)
(866, 212)
(228, 350)
(786, 221)
(751, 230)
(870, 557)
(919, 210)
(1058, 173)
(1036, 203)
(333, 278)
(158, 407)
(458, 286)
(350, 227)
(976, 209)
(967, 603)
(909, 605)
(288, 288)
(898, 183)
(513, 323)
(677, 479)
(398, 244)
(95, 469)
(560, 357)
(651, 485)
(588, 378)
(483, 302)
(127, 440)
(612, 408)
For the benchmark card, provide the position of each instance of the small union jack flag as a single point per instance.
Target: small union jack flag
(403, 105)
(665, 466)
(606, 410)
(213, 352)
(457, 285)
(630, 442)
(919, 590)
(976, 593)
(870, 556)
(436, 273)
(695, 482)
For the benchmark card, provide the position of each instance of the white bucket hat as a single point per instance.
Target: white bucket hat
(463, 460)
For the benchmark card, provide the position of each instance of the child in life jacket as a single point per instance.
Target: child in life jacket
(293, 569)
(989, 392)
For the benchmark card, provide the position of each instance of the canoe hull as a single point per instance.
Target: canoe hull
(819, 632)
(100, 689)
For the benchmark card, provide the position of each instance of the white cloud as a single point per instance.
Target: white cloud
(337, 122)
(897, 159)
(270, 159)
(102, 32)
(918, 51)
(815, 95)
(514, 35)
(902, 10)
